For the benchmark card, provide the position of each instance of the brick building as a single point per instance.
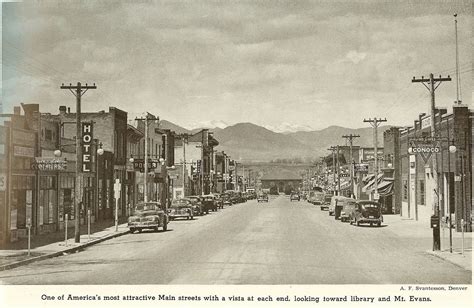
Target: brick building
(414, 176)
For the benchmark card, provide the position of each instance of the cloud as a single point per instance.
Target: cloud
(355, 56)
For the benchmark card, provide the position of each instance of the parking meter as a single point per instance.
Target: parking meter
(436, 232)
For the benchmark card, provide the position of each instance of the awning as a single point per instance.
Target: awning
(368, 178)
(385, 188)
(371, 183)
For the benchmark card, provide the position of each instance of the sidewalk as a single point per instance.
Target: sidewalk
(411, 228)
(43, 247)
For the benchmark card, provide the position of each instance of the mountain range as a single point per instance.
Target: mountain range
(250, 142)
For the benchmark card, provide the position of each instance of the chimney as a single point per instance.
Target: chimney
(68, 109)
(62, 109)
(16, 110)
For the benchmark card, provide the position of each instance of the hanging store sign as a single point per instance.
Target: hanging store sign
(424, 146)
(87, 147)
(23, 151)
(3, 182)
(139, 164)
(362, 168)
(49, 164)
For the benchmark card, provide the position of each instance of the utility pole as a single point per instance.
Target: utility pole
(145, 188)
(338, 172)
(333, 150)
(184, 138)
(78, 90)
(432, 84)
(351, 137)
(375, 124)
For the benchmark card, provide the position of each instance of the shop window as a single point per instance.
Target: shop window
(422, 192)
(405, 190)
(48, 135)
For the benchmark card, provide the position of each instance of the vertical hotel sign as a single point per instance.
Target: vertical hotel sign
(87, 147)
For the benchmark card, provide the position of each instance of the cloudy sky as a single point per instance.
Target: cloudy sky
(308, 64)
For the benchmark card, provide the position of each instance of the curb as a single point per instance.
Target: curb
(447, 260)
(59, 253)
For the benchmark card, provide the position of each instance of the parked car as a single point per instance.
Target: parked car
(209, 203)
(180, 209)
(348, 206)
(196, 204)
(326, 203)
(366, 211)
(295, 197)
(317, 198)
(219, 200)
(148, 215)
(262, 198)
(336, 205)
(226, 199)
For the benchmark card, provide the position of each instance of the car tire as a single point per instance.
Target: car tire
(371, 224)
(379, 224)
(155, 229)
(132, 230)
(357, 222)
(139, 230)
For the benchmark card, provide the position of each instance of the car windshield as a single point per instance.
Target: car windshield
(145, 208)
(179, 203)
(369, 205)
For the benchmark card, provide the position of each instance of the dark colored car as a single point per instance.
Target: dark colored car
(219, 200)
(196, 204)
(209, 203)
(295, 197)
(262, 198)
(326, 203)
(181, 209)
(148, 215)
(367, 212)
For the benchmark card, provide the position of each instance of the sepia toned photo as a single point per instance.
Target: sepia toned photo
(226, 143)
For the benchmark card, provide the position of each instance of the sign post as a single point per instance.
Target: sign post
(89, 224)
(117, 189)
(28, 225)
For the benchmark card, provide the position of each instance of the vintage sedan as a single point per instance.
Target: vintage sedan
(368, 212)
(262, 198)
(196, 205)
(209, 203)
(337, 204)
(148, 215)
(348, 207)
(181, 209)
(219, 200)
(295, 196)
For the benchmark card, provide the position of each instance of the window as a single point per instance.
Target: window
(405, 190)
(48, 135)
(422, 192)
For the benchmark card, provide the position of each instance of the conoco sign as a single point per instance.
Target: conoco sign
(87, 147)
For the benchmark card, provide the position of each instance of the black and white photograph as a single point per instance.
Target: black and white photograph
(224, 143)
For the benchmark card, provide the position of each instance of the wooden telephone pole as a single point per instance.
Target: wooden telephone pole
(351, 137)
(432, 84)
(78, 90)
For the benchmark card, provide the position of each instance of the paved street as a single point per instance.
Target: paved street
(281, 242)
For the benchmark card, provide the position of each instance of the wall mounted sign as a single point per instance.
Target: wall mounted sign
(86, 147)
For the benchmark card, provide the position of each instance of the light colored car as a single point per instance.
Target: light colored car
(295, 197)
(148, 215)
